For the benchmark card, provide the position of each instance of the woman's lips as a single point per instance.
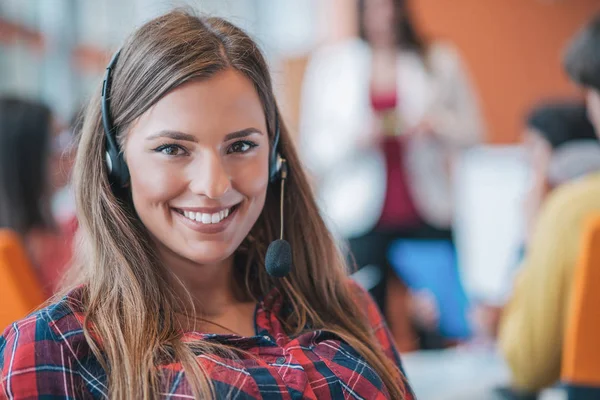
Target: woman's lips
(208, 220)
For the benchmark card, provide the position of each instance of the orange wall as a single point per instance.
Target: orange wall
(512, 48)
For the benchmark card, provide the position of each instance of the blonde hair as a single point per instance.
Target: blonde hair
(128, 303)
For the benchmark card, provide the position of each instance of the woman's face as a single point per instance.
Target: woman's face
(198, 161)
(379, 22)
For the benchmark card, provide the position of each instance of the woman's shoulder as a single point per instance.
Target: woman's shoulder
(46, 355)
(59, 323)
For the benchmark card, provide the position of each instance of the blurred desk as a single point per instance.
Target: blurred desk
(460, 374)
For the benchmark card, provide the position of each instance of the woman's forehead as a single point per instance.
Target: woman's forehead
(224, 103)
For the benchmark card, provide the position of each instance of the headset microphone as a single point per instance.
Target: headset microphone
(278, 260)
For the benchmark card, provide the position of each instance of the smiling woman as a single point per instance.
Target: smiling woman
(216, 126)
(171, 295)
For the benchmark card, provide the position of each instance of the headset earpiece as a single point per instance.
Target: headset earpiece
(275, 168)
(118, 173)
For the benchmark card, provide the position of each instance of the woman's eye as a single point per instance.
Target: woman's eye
(241, 147)
(170, 150)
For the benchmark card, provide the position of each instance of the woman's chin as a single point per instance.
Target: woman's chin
(209, 255)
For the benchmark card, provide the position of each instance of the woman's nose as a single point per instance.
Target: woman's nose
(209, 177)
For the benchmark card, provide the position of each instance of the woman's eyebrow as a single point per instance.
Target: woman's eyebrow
(242, 134)
(175, 135)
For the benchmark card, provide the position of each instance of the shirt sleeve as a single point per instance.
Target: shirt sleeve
(532, 324)
(34, 364)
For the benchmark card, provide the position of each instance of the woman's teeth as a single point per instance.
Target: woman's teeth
(205, 218)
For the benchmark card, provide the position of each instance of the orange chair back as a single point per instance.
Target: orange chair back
(20, 289)
(581, 350)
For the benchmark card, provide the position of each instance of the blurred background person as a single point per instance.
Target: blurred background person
(532, 325)
(562, 147)
(32, 169)
(382, 117)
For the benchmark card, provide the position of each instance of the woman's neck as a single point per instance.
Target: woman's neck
(221, 306)
(383, 70)
(213, 287)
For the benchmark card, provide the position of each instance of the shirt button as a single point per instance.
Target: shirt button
(280, 360)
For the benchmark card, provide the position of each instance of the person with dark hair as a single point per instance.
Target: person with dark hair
(582, 63)
(28, 180)
(383, 116)
(563, 146)
(25, 133)
(559, 123)
(532, 325)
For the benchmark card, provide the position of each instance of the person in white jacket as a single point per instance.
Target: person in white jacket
(382, 117)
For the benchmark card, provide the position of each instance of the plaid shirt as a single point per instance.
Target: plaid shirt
(46, 356)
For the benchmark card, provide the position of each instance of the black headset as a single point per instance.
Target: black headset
(118, 172)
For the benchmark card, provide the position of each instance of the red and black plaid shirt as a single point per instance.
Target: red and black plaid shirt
(46, 356)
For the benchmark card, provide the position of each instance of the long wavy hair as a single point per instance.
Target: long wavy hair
(130, 308)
